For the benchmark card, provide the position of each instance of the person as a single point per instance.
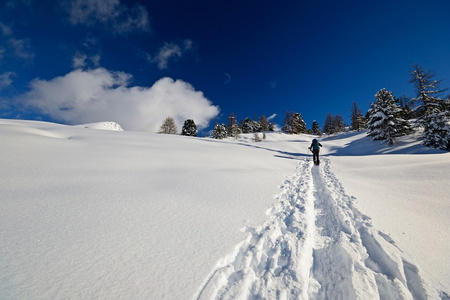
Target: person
(315, 148)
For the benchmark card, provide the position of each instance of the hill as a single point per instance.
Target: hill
(101, 214)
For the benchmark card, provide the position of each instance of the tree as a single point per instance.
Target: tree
(189, 128)
(247, 126)
(256, 137)
(427, 89)
(219, 131)
(437, 129)
(168, 126)
(358, 120)
(328, 126)
(264, 123)
(315, 129)
(333, 124)
(294, 124)
(297, 123)
(406, 104)
(384, 121)
(232, 122)
(434, 112)
(338, 124)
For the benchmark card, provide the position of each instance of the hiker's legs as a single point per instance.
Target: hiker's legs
(316, 155)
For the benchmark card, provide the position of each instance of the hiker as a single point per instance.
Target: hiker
(315, 148)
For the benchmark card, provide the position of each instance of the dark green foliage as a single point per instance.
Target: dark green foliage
(384, 121)
(294, 124)
(189, 128)
(219, 131)
(315, 129)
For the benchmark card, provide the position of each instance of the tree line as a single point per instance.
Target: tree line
(389, 117)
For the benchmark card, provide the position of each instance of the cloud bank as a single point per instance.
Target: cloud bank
(85, 96)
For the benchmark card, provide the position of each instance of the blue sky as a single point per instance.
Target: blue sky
(136, 62)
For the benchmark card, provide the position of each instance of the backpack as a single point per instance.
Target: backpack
(315, 144)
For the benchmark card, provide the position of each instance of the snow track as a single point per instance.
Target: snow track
(315, 245)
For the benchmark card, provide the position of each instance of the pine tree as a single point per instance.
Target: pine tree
(287, 123)
(189, 128)
(232, 122)
(384, 121)
(219, 131)
(315, 129)
(434, 114)
(358, 120)
(247, 126)
(257, 127)
(168, 126)
(437, 129)
(271, 126)
(297, 124)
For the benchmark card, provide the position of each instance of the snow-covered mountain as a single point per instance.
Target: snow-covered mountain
(106, 214)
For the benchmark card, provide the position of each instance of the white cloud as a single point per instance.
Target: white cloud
(6, 79)
(171, 51)
(22, 48)
(271, 117)
(113, 14)
(101, 95)
(6, 30)
(80, 60)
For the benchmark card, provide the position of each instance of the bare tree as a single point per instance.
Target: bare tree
(168, 126)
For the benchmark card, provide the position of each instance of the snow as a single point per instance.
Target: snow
(108, 214)
(102, 126)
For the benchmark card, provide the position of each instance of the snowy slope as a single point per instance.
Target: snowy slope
(102, 126)
(104, 214)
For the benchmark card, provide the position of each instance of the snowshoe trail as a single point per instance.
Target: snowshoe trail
(315, 245)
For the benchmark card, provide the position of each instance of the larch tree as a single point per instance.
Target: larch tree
(168, 126)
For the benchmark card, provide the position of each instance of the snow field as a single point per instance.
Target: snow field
(315, 245)
(100, 214)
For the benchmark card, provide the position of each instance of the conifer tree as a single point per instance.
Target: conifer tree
(358, 120)
(384, 121)
(232, 123)
(219, 131)
(168, 126)
(315, 129)
(247, 126)
(434, 114)
(189, 128)
(297, 124)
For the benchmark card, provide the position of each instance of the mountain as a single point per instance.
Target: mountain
(107, 214)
